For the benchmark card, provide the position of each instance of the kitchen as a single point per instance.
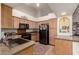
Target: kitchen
(36, 30)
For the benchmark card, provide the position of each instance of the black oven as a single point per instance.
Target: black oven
(26, 36)
(23, 26)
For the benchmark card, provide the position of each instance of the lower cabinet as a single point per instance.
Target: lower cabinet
(63, 47)
(34, 36)
(26, 51)
(52, 41)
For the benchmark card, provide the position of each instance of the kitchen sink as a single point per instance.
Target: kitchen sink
(15, 42)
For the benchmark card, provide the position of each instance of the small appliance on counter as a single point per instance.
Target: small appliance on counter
(44, 34)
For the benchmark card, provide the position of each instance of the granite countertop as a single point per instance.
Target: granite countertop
(4, 50)
(69, 38)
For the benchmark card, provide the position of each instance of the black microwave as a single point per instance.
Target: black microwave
(23, 26)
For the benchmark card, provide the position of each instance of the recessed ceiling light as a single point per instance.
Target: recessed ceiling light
(63, 13)
(37, 4)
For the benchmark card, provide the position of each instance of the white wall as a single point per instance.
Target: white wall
(20, 14)
(70, 32)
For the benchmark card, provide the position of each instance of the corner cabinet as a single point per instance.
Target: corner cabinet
(6, 16)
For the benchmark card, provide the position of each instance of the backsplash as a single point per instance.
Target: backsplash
(7, 30)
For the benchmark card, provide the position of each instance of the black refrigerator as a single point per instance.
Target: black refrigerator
(44, 34)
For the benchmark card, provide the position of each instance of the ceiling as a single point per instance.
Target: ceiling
(59, 8)
(45, 8)
(24, 8)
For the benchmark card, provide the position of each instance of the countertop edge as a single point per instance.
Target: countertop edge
(22, 47)
(70, 38)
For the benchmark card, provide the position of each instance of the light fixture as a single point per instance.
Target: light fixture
(63, 13)
(37, 4)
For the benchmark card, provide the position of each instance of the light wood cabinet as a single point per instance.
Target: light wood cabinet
(32, 24)
(26, 51)
(63, 47)
(34, 36)
(0, 15)
(52, 31)
(53, 23)
(23, 21)
(6, 16)
(16, 22)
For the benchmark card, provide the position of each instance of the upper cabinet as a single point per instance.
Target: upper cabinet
(23, 20)
(31, 23)
(0, 15)
(16, 21)
(6, 16)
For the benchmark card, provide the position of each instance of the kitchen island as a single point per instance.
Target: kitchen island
(17, 50)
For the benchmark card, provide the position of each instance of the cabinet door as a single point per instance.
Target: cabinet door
(6, 17)
(16, 22)
(23, 21)
(34, 37)
(35, 25)
(9, 17)
(53, 23)
(0, 15)
(32, 24)
(52, 35)
(63, 47)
